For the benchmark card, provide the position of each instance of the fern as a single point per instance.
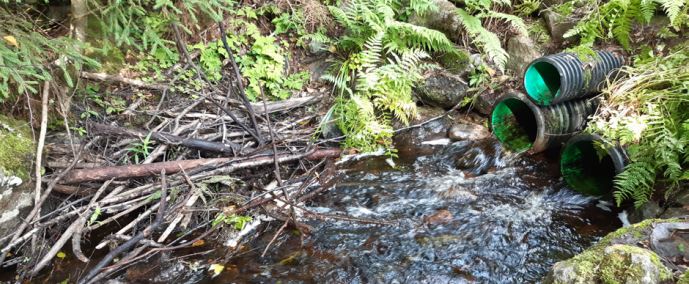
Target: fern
(487, 41)
(384, 61)
(615, 19)
(647, 112)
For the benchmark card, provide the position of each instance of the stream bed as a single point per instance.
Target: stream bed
(465, 214)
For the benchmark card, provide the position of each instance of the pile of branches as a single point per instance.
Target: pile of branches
(185, 146)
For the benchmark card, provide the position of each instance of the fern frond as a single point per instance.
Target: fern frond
(402, 35)
(516, 22)
(673, 9)
(487, 41)
(636, 183)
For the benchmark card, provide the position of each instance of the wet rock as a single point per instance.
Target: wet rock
(557, 24)
(648, 211)
(675, 212)
(484, 102)
(16, 152)
(435, 129)
(671, 240)
(522, 50)
(467, 132)
(440, 217)
(442, 89)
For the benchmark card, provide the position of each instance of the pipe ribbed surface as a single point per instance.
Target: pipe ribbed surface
(562, 77)
(589, 164)
(520, 125)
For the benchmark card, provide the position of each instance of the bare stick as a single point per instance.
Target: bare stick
(41, 140)
(89, 278)
(120, 79)
(76, 237)
(274, 238)
(170, 139)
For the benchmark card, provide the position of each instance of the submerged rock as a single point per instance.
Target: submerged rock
(465, 131)
(442, 89)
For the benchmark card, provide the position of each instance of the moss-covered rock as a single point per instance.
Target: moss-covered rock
(615, 259)
(16, 149)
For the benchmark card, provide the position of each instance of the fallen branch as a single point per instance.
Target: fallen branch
(120, 79)
(131, 171)
(171, 167)
(199, 144)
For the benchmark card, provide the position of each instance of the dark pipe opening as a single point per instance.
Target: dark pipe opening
(588, 167)
(542, 82)
(514, 124)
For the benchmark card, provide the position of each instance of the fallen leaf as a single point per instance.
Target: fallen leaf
(198, 243)
(216, 268)
(61, 255)
(11, 40)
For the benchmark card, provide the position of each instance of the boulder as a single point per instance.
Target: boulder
(441, 88)
(16, 152)
(484, 102)
(522, 50)
(616, 259)
(557, 24)
(649, 210)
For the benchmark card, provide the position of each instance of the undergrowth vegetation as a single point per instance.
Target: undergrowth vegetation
(616, 18)
(383, 60)
(647, 113)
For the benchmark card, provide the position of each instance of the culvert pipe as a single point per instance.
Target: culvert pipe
(520, 125)
(589, 165)
(561, 77)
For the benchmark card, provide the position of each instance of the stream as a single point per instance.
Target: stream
(465, 214)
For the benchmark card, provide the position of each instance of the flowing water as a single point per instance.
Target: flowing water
(465, 214)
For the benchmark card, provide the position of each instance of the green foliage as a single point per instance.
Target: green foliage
(143, 24)
(647, 112)
(615, 18)
(262, 64)
(29, 57)
(236, 221)
(487, 41)
(140, 150)
(384, 61)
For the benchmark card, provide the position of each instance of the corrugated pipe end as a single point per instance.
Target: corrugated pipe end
(556, 78)
(516, 122)
(589, 165)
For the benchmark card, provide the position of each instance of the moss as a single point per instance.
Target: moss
(455, 62)
(618, 265)
(599, 264)
(16, 148)
(684, 278)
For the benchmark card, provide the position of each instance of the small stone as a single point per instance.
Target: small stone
(440, 217)
(467, 132)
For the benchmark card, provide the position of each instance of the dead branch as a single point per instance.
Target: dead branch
(117, 78)
(199, 144)
(130, 171)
